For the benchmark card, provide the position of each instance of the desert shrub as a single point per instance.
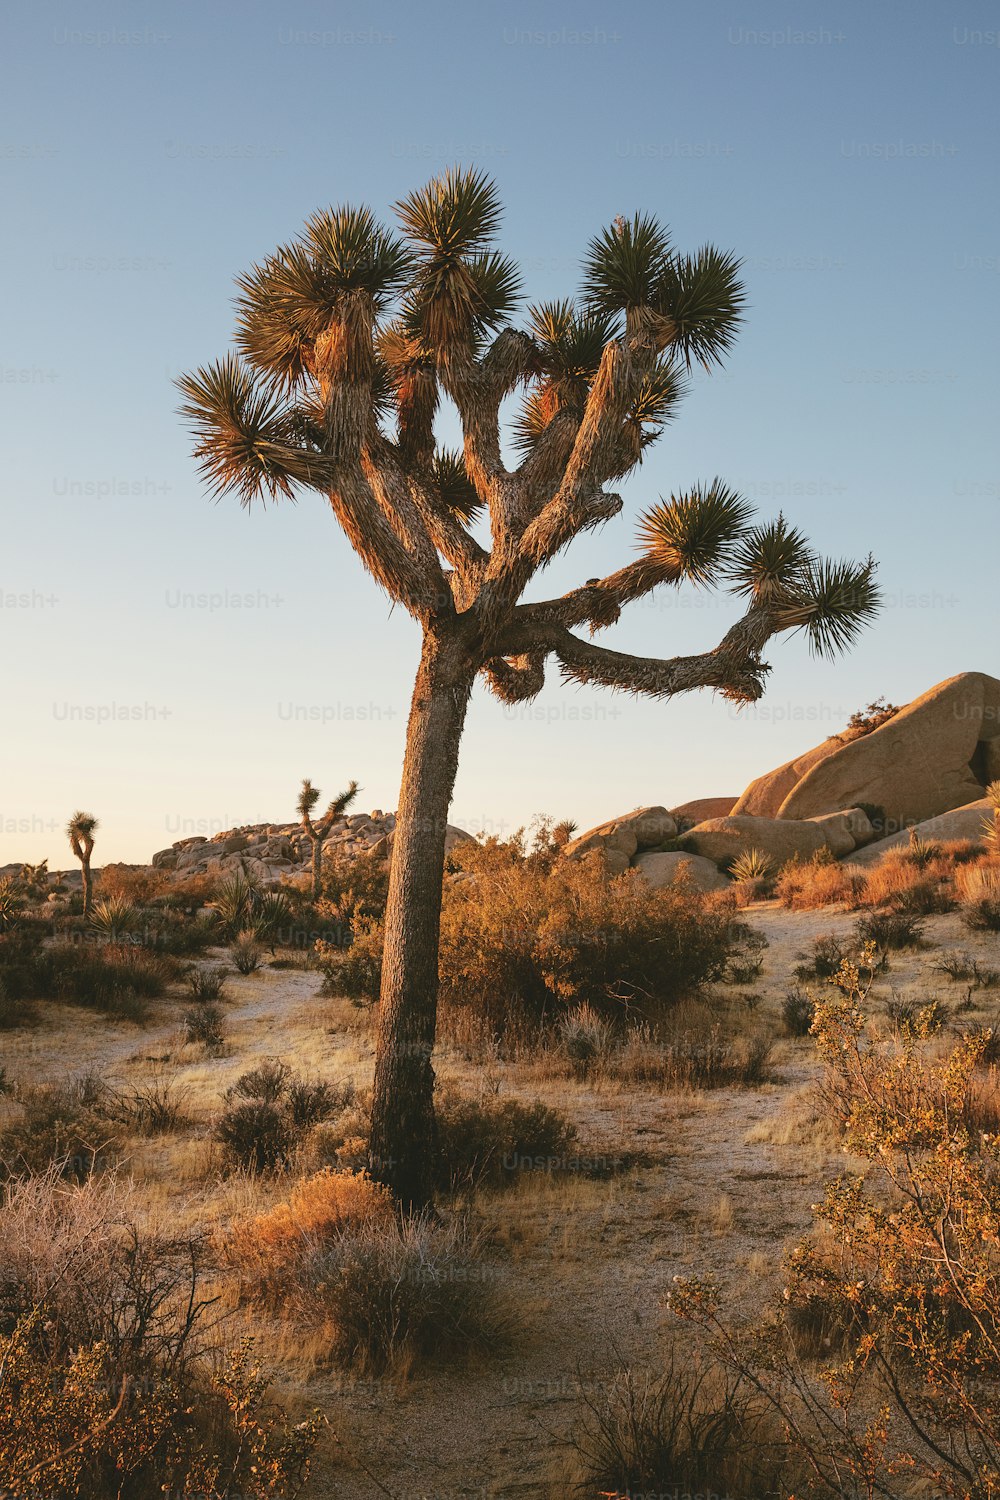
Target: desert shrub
(268, 1081)
(689, 1429)
(978, 888)
(136, 884)
(827, 957)
(890, 930)
(270, 1109)
(203, 1026)
(101, 1326)
(692, 1051)
(156, 1108)
(270, 917)
(354, 971)
(354, 889)
(115, 977)
(489, 1141)
(903, 1272)
(177, 934)
(420, 1291)
(962, 966)
(536, 933)
(927, 1016)
(207, 985)
(311, 1102)
(189, 893)
(803, 885)
(268, 1248)
(63, 1127)
(382, 1289)
(866, 719)
(255, 1135)
(904, 884)
(245, 954)
(585, 1037)
(797, 1012)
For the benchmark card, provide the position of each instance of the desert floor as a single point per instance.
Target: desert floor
(727, 1181)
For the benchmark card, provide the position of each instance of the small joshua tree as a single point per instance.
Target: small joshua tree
(80, 831)
(349, 337)
(317, 832)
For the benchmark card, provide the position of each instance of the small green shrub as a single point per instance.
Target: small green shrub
(203, 1026)
(207, 985)
(245, 953)
(490, 1141)
(798, 1011)
(890, 930)
(255, 1135)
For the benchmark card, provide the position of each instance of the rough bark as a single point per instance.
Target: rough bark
(402, 1134)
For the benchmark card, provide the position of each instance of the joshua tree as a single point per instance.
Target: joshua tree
(317, 832)
(348, 338)
(80, 831)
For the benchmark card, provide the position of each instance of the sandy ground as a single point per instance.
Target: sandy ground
(586, 1264)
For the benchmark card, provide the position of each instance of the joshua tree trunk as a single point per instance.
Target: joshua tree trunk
(88, 886)
(317, 866)
(402, 1135)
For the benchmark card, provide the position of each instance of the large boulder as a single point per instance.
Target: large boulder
(642, 829)
(959, 823)
(664, 869)
(845, 831)
(704, 807)
(936, 754)
(723, 839)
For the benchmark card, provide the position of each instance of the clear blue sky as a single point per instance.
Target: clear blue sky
(151, 151)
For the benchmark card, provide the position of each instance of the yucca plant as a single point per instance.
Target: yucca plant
(11, 902)
(317, 831)
(348, 337)
(114, 917)
(80, 831)
(233, 902)
(752, 865)
(991, 822)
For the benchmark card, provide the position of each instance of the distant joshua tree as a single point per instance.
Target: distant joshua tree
(348, 338)
(80, 831)
(317, 832)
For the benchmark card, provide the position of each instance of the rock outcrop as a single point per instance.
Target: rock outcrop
(936, 754)
(724, 839)
(627, 835)
(664, 869)
(959, 823)
(271, 852)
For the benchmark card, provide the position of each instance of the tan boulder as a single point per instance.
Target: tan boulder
(958, 823)
(933, 756)
(724, 839)
(704, 807)
(642, 829)
(845, 831)
(664, 869)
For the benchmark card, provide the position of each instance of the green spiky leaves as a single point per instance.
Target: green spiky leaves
(453, 486)
(355, 253)
(461, 288)
(308, 797)
(692, 536)
(290, 300)
(769, 561)
(240, 428)
(624, 265)
(833, 603)
(692, 303)
(701, 299)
